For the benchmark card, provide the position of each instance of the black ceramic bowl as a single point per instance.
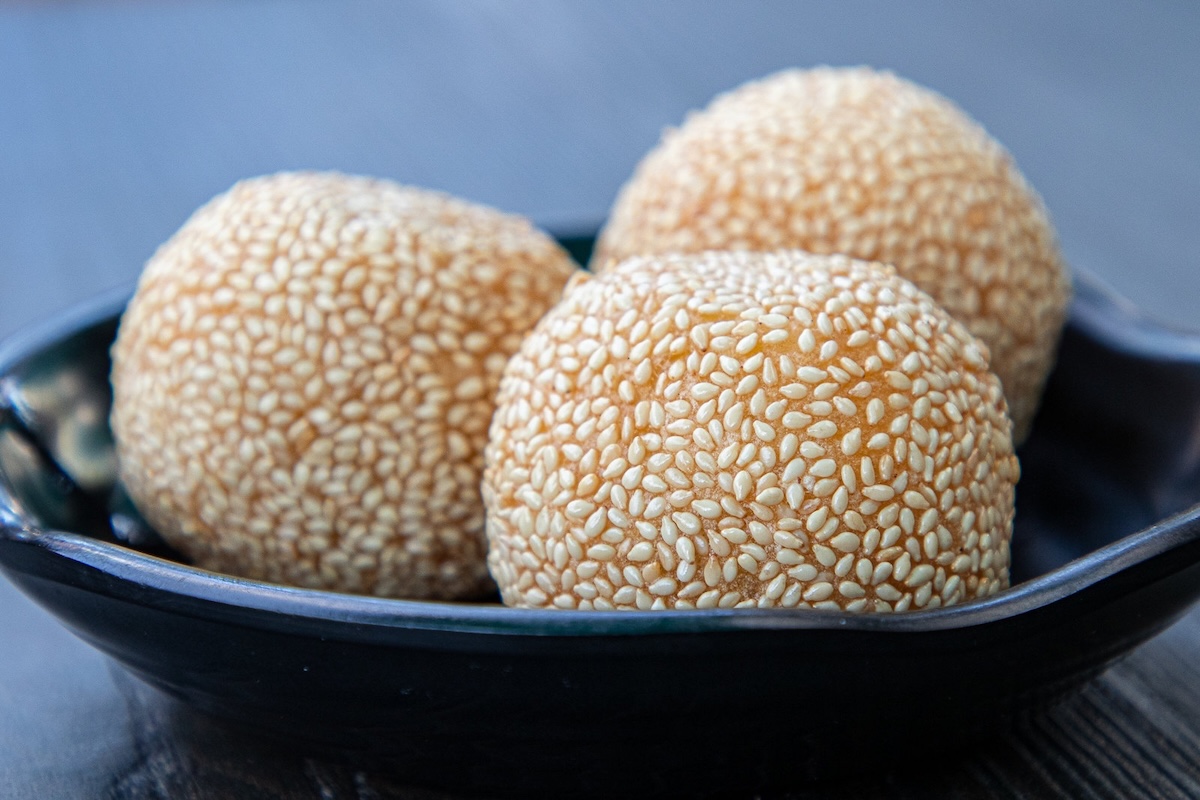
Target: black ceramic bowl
(484, 697)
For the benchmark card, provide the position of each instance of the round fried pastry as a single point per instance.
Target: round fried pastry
(863, 163)
(305, 375)
(736, 429)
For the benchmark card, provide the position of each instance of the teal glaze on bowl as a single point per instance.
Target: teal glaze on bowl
(1106, 554)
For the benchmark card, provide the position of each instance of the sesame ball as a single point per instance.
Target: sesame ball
(863, 163)
(304, 378)
(749, 430)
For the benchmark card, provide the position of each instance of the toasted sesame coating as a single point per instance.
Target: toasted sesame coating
(305, 375)
(749, 430)
(867, 164)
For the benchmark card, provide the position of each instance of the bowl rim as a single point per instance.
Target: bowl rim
(1098, 310)
(181, 580)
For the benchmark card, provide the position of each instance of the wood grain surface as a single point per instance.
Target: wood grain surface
(118, 119)
(1126, 735)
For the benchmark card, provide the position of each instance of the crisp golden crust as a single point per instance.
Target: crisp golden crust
(863, 163)
(305, 375)
(749, 429)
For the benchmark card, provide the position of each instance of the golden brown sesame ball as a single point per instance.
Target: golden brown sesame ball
(863, 163)
(749, 430)
(304, 379)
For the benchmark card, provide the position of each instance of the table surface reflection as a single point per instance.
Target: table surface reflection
(117, 120)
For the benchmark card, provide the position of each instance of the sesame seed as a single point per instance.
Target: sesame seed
(930, 545)
(770, 497)
(794, 470)
(746, 344)
(601, 552)
(803, 572)
(811, 374)
(810, 449)
(851, 589)
(920, 575)
(579, 509)
(747, 385)
(823, 468)
(818, 591)
(879, 492)
(840, 501)
(795, 496)
(824, 555)
(888, 593)
(846, 541)
(738, 463)
(825, 487)
(764, 431)
(654, 484)
(858, 339)
(852, 441)
(663, 587)
(642, 551)
(729, 569)
(818, 430)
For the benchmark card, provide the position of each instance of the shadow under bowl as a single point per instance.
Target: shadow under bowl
(474, 696)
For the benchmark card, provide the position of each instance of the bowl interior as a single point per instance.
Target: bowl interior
(470, 695)
(1115, 446)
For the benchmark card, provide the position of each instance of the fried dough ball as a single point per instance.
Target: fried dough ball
(737, 429)
(863, 163)
(305, 375)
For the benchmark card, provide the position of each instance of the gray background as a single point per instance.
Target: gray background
(117, 120)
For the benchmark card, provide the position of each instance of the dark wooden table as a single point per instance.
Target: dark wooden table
(118, 119)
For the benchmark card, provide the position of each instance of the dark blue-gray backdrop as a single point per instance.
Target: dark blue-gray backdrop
(118, 119)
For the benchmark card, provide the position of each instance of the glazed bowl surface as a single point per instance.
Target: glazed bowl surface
(1106, 553)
